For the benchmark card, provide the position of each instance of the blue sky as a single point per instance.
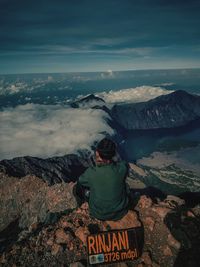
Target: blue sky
(97, 35)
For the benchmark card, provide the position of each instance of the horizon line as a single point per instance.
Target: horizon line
(70, 72)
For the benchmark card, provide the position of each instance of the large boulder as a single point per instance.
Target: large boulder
(30, 200)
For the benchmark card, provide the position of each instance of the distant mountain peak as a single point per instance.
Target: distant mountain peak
(166, 111)
(175, 95)
(88, 101)
(91, 97)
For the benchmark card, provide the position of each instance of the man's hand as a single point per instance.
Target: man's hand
(72, 184)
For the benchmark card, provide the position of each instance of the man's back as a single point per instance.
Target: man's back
(108, 198)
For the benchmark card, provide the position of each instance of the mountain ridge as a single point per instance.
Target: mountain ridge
(42, 225)
(51, 170)
(167, 111)
(69, 167)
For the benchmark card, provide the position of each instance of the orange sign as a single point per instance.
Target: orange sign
(114, 246)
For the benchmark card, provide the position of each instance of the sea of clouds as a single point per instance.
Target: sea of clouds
(56, 130)
(49, 130)
(137, 94)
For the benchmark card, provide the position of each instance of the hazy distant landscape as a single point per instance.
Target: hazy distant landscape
(39, 119)
(64, 87)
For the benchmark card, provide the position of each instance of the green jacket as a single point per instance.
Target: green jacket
(108, 198)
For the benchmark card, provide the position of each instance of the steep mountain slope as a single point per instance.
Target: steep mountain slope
(52, 170)
(88, 101)
(166, 111)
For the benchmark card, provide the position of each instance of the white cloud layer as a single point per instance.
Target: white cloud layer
(107, 74)
(49, 130)
(137, 94)
(55, 130)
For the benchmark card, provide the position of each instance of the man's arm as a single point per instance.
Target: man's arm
(84, 178)
(80, 187)
(125, 169)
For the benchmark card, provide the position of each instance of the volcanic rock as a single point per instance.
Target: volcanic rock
(82, 233)
(130, 220)
(51, 170)
(30, 200)
(171, 234)
(56, 249)
(89, 101)
(61, 237)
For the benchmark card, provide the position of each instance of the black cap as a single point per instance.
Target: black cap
(106, 148)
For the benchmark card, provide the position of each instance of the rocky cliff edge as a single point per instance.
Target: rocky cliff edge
(42, 225)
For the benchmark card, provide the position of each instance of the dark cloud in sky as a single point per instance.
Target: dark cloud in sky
(82, 35)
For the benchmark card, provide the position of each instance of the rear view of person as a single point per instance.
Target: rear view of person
(108, 199)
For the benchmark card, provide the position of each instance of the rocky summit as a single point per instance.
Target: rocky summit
(88, 101)
(42, 225)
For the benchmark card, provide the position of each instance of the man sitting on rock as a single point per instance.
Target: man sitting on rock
(105, 184)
